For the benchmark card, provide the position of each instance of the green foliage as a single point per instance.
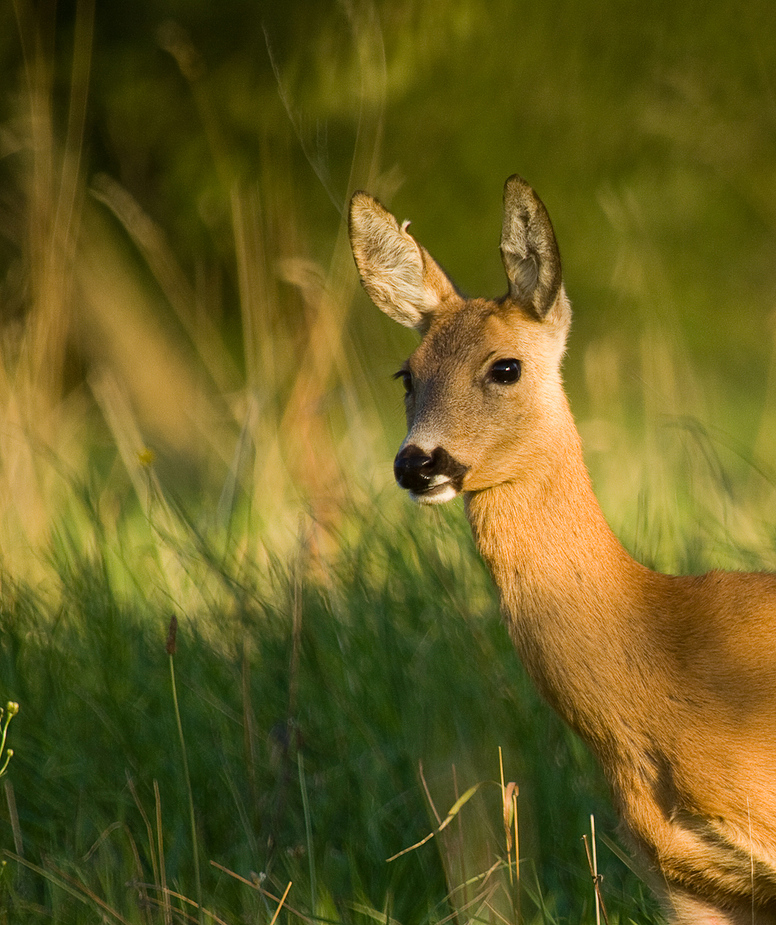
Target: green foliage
(316, 705)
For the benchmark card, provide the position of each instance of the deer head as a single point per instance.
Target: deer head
(483, 388)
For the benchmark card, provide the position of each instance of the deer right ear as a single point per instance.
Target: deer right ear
(401, 277)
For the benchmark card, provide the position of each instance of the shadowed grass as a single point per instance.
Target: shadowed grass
(396, 659)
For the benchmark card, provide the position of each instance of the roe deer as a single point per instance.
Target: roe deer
(670, 680)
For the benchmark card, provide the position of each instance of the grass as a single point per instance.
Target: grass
(196, 424)
(317, 711)
(332, 711)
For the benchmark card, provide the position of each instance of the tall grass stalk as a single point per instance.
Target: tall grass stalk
(308, 832)
(509, 794)
(171, 648)
(282, 902)
(7, 713)
(591, 850)
(163, 888)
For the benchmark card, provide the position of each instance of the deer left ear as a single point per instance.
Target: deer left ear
(401, 277)
(529, 249)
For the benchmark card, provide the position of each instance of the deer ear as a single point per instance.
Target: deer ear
(529, 249)
(401, 277)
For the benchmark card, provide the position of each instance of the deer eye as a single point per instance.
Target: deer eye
(505, 372)
(406, 379)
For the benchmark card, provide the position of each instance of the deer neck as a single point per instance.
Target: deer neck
(569, 591)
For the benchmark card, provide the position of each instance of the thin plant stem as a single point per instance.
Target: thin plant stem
(280, 904)
(592, 860)
(509, 794)
(187, 776)
(11, 709)
(166, 908)
(308, 832)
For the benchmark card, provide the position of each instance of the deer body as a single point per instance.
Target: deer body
(670, 680)
(642, 667)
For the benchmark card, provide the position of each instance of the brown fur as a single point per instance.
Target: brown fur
(670, 680)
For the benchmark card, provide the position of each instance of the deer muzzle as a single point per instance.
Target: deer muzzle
(429, 478)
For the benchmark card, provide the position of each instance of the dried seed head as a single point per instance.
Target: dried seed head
(172, 635)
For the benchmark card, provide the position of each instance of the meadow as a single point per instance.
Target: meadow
(248, 671)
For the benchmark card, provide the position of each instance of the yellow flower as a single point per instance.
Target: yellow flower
(146, 457)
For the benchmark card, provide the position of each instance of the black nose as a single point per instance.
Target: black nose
(414, 469)
(419, 472)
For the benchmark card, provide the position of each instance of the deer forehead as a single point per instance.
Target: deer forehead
(476, 331)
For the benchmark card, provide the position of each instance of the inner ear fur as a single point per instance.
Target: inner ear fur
(400, 276)
(529, 249)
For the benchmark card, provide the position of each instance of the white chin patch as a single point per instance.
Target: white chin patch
(439, 494)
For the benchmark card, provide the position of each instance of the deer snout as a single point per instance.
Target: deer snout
(430, 478)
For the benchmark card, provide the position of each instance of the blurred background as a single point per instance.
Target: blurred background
(176, 290)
